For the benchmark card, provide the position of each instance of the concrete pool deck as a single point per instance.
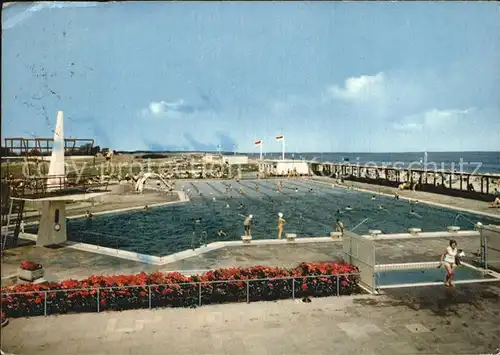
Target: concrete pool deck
(426, 320)
(66, 262)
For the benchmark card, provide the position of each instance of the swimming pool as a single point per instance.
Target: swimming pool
(165, 230)
(427, 275)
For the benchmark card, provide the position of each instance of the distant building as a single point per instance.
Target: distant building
(235, 159)
(284, 167)
(212, 159)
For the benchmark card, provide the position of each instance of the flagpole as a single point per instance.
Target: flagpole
(283, 149)
(261, 150)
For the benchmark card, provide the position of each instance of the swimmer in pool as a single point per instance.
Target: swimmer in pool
(257, 187)
(415, 213)
(241, 190)
(221, 233)
(310, 189)
(348, 208)
(227, 206)
(296, 190)
(380, 207)
(373, 197)
(241, 205)
(213, 199)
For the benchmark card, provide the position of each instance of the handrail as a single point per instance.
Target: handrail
(360, 223)
(462, 215)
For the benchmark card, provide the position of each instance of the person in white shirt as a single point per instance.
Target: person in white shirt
(449, 259)
(247, 223)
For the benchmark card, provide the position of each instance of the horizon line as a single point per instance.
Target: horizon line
(306, 152)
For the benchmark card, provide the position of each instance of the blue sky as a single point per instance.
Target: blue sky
(330, 76)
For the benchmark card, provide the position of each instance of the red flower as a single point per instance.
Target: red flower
(123, 290)
(30, 266)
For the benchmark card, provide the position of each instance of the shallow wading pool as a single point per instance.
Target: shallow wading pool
(427, 275)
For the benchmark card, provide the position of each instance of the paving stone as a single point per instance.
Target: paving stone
(417, 328)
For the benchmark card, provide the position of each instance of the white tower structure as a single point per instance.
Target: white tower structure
(56, 177)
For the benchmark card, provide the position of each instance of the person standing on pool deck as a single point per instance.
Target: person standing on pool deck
(281, 222)
(449, 258)
(339, 226)
(248, 225)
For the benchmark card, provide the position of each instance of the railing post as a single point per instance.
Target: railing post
(149, 296)
(248, 291)
(338, 285)
(293, 288)
(199, 294)
(98, 299)
(45, 303)
(486, 252)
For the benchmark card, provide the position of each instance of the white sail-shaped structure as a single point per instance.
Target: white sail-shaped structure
(56, 177)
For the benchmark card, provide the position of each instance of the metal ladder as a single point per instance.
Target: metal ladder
(14, 216)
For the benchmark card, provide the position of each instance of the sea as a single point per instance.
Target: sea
(478, 162)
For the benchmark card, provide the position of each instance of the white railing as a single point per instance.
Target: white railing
(191, 294)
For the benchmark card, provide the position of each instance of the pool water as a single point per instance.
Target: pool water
(398, 277)
(169, 229)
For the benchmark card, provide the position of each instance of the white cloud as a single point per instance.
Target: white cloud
(431, 119)
(13, 21)
(358, 88)
(409, 126)
(163, 109)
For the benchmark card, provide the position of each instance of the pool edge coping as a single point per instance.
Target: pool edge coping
(171, 258)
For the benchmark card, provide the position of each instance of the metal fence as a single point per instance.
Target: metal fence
(196, 298)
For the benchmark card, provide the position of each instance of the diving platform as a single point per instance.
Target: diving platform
(50, 192)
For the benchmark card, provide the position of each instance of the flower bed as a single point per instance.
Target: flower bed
(30, 266)
(103, 293)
